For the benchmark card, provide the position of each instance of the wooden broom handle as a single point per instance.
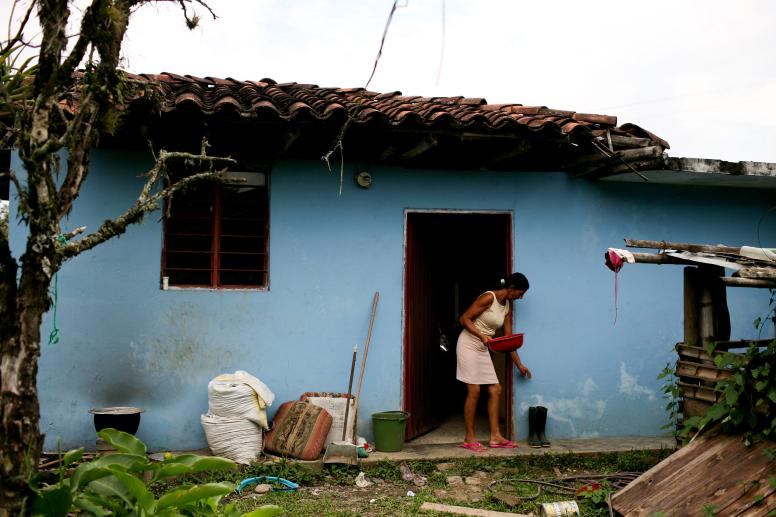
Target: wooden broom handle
(366, 345)
(363, 360)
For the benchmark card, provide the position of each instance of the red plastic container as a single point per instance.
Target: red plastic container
(507, 343)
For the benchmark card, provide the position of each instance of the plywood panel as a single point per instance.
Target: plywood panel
(712, 472)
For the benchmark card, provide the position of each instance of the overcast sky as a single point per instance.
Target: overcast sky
(701, 74)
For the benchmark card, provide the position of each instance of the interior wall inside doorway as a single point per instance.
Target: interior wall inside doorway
(451, 259)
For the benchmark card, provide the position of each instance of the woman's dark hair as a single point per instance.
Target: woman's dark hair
(515, 281)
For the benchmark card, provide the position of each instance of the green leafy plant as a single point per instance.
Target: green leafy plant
(119, 484)
(595, 493)
(749, 400)
(672, 393)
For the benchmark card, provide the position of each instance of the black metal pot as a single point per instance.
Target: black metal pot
(125, 419)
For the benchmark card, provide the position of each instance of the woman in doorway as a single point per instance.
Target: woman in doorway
(489, 312)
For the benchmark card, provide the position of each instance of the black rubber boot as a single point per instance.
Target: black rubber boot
(541, 422)
(533, 436)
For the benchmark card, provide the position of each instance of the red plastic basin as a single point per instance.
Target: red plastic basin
(507, 343)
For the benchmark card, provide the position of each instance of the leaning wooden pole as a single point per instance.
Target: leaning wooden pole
(682, 246)
(731, 281)
(363, 361)
(658, 258)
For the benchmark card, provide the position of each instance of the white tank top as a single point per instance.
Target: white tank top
(492, 318)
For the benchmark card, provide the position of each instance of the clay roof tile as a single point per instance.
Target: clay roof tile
(290, 100)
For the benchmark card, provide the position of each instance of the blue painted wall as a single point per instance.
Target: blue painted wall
(126, 342)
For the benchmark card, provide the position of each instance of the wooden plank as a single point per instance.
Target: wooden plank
(702, 393)
(746, 503)
(748, 282)
(741, 343)
(701, 371)
(606, 120)
(630, 141)
(712, 470)
(694, 354)
(682, 246)
(756, 272)
(733, 493)
(463, 510)
(657, 258)
(424, 145)
(641, 153)
(665, 487)
(694, 407)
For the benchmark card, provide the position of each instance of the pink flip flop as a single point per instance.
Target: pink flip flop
(509, 444)
(474, 446)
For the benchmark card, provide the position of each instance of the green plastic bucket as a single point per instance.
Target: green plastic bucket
(389, 428)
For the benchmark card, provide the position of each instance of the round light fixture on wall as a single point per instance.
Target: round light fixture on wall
(364, 179)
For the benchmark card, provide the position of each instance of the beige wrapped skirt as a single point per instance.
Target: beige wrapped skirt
(474, 363)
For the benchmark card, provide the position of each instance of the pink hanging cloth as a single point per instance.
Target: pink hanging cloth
(613, 258)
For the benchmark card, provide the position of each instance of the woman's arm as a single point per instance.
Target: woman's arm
(525, 372)
(508, 320)
(479, 306)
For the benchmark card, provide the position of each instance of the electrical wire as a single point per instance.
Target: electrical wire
(442, 46)
(382, 41)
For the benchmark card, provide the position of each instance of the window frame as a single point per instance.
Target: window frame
(216, 229)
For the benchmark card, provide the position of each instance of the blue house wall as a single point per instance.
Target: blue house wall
(124, 341)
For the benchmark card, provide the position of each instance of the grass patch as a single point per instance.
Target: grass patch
(333, 493)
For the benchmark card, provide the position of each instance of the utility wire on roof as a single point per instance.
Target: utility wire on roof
(341, 137)
(382, 41)
(442, 46)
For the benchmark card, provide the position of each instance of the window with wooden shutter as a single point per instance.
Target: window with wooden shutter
(216, 234)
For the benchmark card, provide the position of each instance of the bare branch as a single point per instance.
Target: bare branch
(75, 56)
(23, 207)
(72, 233)
(84, 130)
(19, 37)
(147, 201)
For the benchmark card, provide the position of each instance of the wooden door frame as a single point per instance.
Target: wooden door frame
(509, 374)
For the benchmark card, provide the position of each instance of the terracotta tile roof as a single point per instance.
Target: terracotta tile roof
(267, 100)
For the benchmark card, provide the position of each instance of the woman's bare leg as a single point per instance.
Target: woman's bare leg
(469, 410)
(494, 396)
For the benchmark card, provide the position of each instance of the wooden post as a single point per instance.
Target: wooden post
(719, 299)
(714, 323)
(691, 306)
(706, 313)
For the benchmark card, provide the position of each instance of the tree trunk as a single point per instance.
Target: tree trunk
(20, 438)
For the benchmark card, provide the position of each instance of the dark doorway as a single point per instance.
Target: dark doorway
(450, 259)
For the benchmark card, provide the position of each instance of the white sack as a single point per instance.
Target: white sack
(240, 395)
(237, 439)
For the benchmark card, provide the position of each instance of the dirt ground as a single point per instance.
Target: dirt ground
(476, 483)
